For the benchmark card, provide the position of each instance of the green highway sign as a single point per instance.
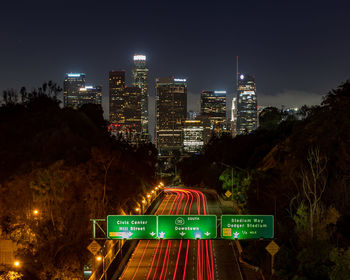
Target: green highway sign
(187, 226)
(247, 226)
(132, 227)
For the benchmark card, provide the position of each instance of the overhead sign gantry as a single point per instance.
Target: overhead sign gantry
(189, 227)
(247, 227)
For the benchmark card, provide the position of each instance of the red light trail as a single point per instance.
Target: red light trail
(183, 201)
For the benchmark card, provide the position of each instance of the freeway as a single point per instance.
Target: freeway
(184, 259)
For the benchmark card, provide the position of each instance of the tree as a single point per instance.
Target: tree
(341, 267)
(11, 275)
(313, 217)
(237, 181)
(314, 180)
(10, 96)
(95, 114)
(269, 118)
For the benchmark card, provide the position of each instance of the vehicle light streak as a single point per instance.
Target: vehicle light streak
(183, 192)
(146, 247)
(188, 242)
(181, 201)
(180, 247)
(161, 242)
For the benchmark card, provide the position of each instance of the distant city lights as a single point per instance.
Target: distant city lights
(241, 77)
(74, 75)
(179, 80)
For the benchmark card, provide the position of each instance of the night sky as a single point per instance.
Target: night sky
(297, 51)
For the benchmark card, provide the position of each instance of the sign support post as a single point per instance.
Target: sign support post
(272, 248)
(94, 223)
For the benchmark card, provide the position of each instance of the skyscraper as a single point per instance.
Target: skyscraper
(171, 110)
(124, 108)
(90, 94)
(140, 79)
(213, 112)
(116, 91)
(193, 136)
(72, 84)
(247, 118)
(234, 117)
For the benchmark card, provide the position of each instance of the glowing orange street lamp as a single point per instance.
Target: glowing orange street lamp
(35, 212)
(99, 258)
(16, 264)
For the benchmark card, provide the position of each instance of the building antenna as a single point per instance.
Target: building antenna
(237, 72)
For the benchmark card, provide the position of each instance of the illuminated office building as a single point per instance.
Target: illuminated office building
(116, 91)
(90, 94)
(140, 79)
(234, 117)
(191, 115)
(213, 113)
(128, 124)
(193, 136)
(171, 110)
(247, 118)
(72, 84)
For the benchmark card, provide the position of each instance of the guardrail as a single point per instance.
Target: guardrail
(114, 248)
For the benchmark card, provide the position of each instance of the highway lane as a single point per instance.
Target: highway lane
(184, 259)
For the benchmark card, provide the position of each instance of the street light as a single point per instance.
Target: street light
(36, 212)
(101, 258)
(16, 264)
(143, 206)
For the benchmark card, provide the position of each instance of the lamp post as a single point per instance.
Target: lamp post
(143, 206)
(101, 258)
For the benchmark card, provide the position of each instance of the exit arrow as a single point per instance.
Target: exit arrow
(182, 233)
(129, 234)
(207, 233)
(152, 233)
(161, 234)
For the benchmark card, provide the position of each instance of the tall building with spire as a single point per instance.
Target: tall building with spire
(234, 117)
(247, 117)
(140, 80)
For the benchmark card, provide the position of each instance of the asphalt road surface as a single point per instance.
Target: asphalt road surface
(184, 259)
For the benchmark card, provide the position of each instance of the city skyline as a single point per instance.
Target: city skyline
(291, 60)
